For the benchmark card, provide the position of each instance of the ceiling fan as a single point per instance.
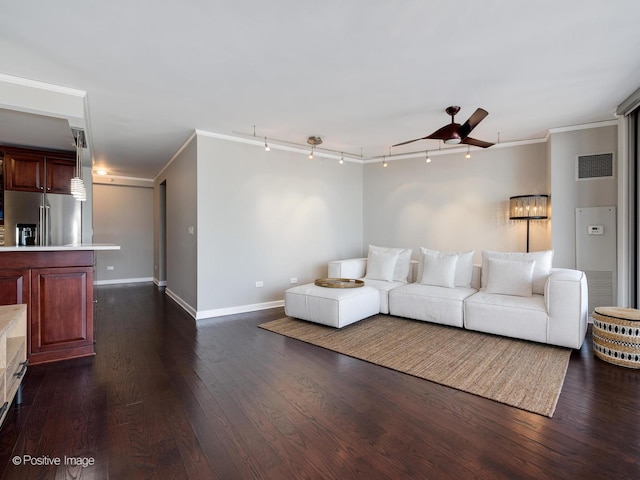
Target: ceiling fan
(454, 133)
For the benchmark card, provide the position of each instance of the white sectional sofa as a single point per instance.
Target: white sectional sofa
(513, 294)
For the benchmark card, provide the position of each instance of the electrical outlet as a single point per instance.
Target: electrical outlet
(293, 280)
(259, 284)
(110, 267)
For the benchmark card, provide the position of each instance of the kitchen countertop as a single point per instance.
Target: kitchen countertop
(61, 248)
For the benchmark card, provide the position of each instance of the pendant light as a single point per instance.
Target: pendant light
(78, 189)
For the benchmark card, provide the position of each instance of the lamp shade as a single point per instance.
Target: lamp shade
(528, 207)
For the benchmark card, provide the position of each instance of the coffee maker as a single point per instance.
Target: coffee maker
(26, 234)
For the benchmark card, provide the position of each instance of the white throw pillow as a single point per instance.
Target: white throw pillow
(380, 266)
(464, 267)
(403, 264)
(510, 277)
(439, 269)
(541, 270)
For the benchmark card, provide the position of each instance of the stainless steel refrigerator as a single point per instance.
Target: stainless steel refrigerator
(58, 218)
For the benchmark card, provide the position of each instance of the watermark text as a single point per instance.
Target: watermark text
(46, 460)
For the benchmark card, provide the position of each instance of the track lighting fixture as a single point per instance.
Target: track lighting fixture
(428, 159)
(468, 155)
(267, 148)
(384, 163)
(341, 161)
(313, 141)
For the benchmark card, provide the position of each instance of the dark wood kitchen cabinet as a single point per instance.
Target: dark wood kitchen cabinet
(29, 170)
(15, 286)
(57, 287)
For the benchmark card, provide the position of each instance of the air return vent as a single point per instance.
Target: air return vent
(594, 166)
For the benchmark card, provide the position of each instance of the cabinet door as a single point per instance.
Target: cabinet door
(14, 286)
(59, 172)
(23, 172)
(61, 309)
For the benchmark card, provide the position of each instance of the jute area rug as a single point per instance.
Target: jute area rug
(519, 373)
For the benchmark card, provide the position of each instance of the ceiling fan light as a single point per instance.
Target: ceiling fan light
(452, 141)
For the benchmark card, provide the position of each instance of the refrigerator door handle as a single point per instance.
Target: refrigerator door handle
(41, 227)
(47, 225)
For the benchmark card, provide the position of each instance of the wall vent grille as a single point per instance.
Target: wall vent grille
(600, 289)
(594, 166)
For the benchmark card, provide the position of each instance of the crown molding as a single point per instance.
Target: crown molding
(259, 141)
(448, 151)
(583, 126)
(121, 181)
(279, 145)
(630, 104)
(175, 155)
(25, 82)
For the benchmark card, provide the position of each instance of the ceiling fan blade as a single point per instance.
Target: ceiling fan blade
(444, 133)
(410, 141)
(476, 143)
(472, 122)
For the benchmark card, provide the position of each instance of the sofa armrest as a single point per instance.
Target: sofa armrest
(349, 268)
(566, 297)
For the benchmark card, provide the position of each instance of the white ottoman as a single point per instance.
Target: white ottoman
(336, 307)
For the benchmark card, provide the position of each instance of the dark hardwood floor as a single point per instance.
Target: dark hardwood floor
(166, 398)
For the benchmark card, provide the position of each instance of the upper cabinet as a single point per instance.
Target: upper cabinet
(38, 170)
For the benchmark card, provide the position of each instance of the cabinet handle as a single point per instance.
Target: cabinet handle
(22, 370)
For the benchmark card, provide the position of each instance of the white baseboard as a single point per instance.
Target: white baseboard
(188, 308)
(159, 283)
(220, 312)
(123, 280)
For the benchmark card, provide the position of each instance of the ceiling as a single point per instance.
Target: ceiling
(362, 74)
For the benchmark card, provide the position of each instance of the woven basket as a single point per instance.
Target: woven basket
(616, 335)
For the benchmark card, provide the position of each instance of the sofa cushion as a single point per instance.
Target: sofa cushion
(439, 269)
(384, 288)
(429, 303)
(464, 266)
(381, 265)
(508, 277)
(508, 315)
(541, 269)
(402, 266)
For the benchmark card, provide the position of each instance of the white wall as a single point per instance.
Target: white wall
(568, 194)
(270, 216)
(122, 215)
(454, 203)
(181, 215)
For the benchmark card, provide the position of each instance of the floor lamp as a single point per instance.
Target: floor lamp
(528, 207)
